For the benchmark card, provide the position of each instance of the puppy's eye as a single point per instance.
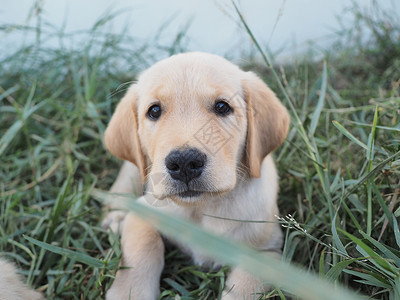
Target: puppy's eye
(222, 108)
(154, 112)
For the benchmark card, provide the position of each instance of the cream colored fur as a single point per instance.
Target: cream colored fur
(240, 179)
(11, 285)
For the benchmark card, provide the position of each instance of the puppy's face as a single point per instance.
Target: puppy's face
(191, 126)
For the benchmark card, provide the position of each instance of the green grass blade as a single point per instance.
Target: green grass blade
(382, 203)
(9, 135)
(347, 134)
(396, 231)
(369, 207)
(320, 104)
(290, 278)
(371, 137)
(378, 261)
(16, 127)
(365, 177)
(396, 288)
(374, 257)
(350, 214)
(92, 113)
(321, 270)
(336, 239)
(378, 126)
(370, 279)
(389, 254)
(8, 92)
(81, 257)
(334, 273)
(370, 157)
(184, 292)
(281, 295)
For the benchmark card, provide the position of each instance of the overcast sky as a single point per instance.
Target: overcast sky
(284, 25)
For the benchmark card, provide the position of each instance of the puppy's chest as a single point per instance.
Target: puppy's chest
(217, 222)
(222, 222)
(217, 226)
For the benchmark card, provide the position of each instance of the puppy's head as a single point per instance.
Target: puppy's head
(193, 124)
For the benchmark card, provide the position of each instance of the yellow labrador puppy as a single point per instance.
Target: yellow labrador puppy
(197, 133)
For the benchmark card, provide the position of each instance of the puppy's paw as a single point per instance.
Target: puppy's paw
(228, 296)
(128, 287)
(242, 285)
(235, 295)
(114, 220)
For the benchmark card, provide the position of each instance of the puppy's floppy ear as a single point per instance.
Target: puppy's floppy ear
(268, 121)
(121, 136)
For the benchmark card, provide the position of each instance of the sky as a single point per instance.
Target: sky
(284, 26)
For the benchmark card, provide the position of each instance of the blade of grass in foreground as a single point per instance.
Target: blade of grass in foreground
(290, 278)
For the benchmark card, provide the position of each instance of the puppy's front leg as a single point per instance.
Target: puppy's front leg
(240, 285)
(142, 262)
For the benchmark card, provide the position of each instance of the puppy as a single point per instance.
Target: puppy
(11, 286)
(197, 133)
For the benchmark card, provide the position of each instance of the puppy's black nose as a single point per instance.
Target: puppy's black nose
(185, 165)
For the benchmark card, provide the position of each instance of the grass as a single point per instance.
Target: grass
(339, 167)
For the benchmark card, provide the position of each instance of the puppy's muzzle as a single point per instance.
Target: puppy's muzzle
(185, 165)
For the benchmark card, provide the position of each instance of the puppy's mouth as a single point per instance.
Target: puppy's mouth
(189, 194)
(197, 191)
(188, 197)
(186, 194)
